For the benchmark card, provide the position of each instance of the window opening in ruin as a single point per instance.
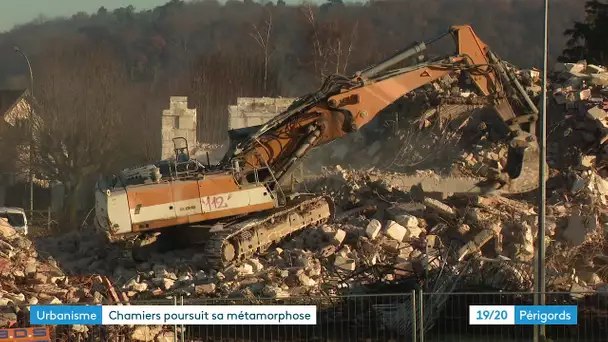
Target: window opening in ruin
(176, 122)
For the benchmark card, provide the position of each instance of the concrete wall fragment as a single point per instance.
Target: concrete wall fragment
(178, 121)
(253, 111)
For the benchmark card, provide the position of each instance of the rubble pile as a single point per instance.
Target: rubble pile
(576, 226)
(25, 278)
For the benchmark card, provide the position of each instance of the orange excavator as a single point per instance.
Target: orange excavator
(237, 208)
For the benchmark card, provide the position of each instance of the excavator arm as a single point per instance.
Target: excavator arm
(345, 104)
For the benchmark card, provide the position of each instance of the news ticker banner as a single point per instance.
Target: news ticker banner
(174, 314)
(523, 315)
(270, 315)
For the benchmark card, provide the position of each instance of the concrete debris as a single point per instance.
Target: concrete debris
(373, 229)
(395, 230)
(145, 333)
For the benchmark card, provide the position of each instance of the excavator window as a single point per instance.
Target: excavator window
(182, 156)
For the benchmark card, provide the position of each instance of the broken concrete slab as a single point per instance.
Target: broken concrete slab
(373, 229)
(395, 230)
(440, 207)
(579, 228)
(344, 263)
(474, 245)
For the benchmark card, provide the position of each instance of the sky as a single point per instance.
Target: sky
(13, 12)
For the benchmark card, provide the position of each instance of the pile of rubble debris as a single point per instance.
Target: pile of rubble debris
(577, 222)
(385, 231)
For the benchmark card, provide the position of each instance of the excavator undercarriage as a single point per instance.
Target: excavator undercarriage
(237, 208)
(228, 242)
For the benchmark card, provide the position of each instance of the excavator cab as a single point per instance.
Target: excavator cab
(184, 164)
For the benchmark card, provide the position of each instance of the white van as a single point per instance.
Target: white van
(16, 217)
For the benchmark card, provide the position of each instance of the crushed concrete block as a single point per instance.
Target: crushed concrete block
(207, 288)
(328, 251)
(474, 245)
(442, 208)
(411, 208)
(587, 161)
(579, 228)
(599, 115)
(433, 242)
(584, 94)
(579, 292)
(345, 263)
(256, 265)
(463, 229)
(305, 280)
(245, 269)
(391, 246)
(79, 328)
(164, 283)
(413, 232)
(395, 230)
(166, 336)
(589, 277)
(338, 237)
(405, 253)
(274, 291)
(30, 268)
(6, 230)
(531, 73)
(407, 220)
(145, 333)
(373, 229)
(139, 287)
(52, 301)
(575, 67)
(404, 269)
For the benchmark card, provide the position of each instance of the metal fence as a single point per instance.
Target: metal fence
(42, 222)
(411, 317)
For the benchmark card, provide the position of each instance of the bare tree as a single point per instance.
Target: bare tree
(79, 111)
(262, 36)
(332, 42)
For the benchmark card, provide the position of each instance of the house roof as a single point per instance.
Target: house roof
(9, 98)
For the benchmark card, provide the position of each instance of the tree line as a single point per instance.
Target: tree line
(102, 79)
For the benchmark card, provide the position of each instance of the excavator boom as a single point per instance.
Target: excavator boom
(344, 105)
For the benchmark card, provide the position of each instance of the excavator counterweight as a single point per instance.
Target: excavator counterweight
(237, 207)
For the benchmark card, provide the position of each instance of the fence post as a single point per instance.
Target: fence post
(175, 325)
(414, 314)
(421, 314)
(183, 331)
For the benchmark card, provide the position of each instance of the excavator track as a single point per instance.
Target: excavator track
(242, 240)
